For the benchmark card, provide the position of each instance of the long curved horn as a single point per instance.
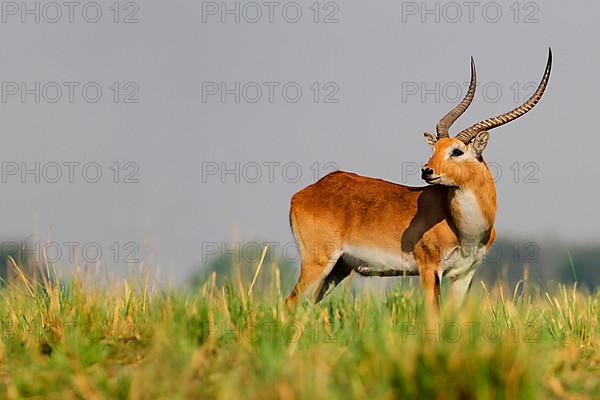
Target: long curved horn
(468, 134)
(446, 122)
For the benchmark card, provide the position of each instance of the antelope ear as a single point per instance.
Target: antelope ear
(430, 138)
(480, 141)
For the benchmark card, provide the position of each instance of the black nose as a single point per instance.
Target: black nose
(426, 171)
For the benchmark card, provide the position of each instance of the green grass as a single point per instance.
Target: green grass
(130, 339)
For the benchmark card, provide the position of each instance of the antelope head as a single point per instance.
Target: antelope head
(458, 161)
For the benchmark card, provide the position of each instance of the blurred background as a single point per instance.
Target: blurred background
(173, 134)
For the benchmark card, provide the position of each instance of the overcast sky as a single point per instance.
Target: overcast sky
(277, 100)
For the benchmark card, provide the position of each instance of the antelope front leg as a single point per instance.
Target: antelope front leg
(431, 289)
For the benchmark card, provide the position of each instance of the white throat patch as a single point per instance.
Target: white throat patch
(472, 224)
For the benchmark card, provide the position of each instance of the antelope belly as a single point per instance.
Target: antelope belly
(379, 259)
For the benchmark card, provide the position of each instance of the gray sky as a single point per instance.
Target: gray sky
(371, 83)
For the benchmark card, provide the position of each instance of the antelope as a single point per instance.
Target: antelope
(347, 222)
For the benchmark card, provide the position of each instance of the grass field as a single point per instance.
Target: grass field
(132, 339)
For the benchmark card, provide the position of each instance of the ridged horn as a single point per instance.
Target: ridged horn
(468, 134)
(446, 122)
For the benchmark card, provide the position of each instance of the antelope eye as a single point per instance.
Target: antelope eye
(457, 153)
